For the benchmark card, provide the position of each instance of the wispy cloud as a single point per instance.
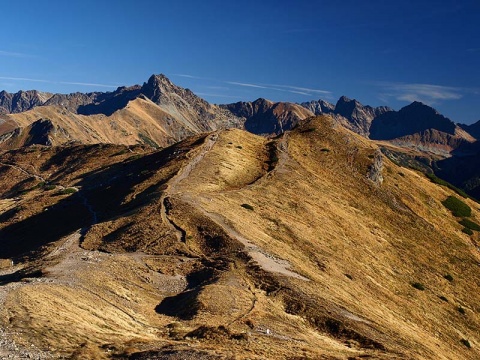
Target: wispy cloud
(304, 90)
(473, 49)
(189, 76)
(15, 54)
(56, 82)
(426, 93)
(23, 79)
(217, 95)
(246, 85)
(282, 88)
(87, 84)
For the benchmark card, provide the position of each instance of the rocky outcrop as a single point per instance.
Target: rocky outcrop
(375, 171)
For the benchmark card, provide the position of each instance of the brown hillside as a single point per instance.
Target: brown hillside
(230, 245)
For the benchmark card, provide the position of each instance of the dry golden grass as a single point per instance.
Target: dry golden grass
(139, 120)
(321, 266)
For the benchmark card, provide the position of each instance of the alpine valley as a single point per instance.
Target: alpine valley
(147, 223)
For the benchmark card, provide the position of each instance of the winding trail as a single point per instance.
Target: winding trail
(182, 174)
(22, 170)
(265, 260)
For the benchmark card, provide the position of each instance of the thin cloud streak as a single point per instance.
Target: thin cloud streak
(283, 88)
(56, 82)
(246, 85)
(426, 93)
(302, 89)
(87, 84)
(15, 54)
(25, 79)
(190, 76)
(217, 95)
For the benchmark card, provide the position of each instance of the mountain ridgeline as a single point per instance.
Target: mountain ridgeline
(160, 113)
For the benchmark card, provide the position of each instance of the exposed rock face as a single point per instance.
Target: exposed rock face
(187, 107)
(21, 101)
(319, 107)
(39, 132)
(350, 113)
(375, 172)
(266, 117)
(360, 116)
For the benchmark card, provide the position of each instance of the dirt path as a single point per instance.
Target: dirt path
(22, 170)
(181, 175)
(265, 260)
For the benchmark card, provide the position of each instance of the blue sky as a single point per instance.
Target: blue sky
(381, 52)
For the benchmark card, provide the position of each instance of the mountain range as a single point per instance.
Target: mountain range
(159, 113)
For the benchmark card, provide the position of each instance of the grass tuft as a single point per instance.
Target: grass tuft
(448, 277)
(247, 206)
(418, 286)
(68, 191)
(466, 343)
(470, 224)
(457, 207)
(435, 179)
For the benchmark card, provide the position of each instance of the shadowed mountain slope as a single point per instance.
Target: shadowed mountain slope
(420, 126)
(227, 245)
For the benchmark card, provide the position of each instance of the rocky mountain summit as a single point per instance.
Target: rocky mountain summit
(350, 113)
(266, 117)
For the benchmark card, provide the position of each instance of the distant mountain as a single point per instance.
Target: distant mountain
(319, 107)
(350, 113)
(420, 126)
(157, 113)
(266, 117)
(21, 101)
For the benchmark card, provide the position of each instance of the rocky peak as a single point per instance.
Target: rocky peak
(319, 107)
(358, 115)
(22, 101)
(346, 106)
(158, 87)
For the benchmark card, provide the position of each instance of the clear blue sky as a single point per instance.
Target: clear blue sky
(381, 52)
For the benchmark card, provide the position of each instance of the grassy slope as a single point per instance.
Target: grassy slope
(361, 247)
